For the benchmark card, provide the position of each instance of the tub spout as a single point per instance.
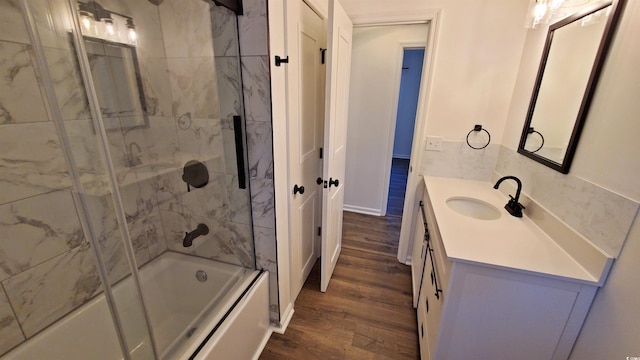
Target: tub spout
(201, 229)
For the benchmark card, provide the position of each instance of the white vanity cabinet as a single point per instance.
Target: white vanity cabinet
(434, 288)
(470, 309)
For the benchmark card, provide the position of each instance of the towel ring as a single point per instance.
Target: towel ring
(531, 131)
(476, 129)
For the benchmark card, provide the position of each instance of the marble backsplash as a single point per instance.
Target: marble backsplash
(602, 216)
(457, 160)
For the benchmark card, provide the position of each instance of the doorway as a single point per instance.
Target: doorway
(377, 63)
(410, 81)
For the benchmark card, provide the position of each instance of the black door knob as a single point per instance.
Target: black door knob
(298, 189)
(319, 181)
(335, 182)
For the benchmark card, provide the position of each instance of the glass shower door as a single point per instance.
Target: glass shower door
(133, 136)
(170, 100)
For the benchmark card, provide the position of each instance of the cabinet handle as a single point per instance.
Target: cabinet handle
(426, 304)
(424, 217)
(424, 222)
(434, 277)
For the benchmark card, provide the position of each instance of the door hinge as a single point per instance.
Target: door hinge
(323, 53)
(321, 153)
(280, 60)
(319, 230)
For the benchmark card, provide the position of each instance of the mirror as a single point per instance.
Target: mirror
(116, 75)
(573, 56)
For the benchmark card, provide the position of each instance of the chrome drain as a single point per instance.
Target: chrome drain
(201, 276)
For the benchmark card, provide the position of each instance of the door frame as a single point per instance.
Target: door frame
(400, 48)
(434, 18)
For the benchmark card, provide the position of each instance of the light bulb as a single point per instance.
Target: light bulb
(555, 4)
(86, 22)
(131, 33)
(133, 36)
(108, 27)
(539, 11)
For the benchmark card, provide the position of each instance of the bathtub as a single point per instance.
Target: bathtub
(183, 310)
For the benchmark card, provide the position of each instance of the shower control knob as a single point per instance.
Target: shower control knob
(298, 189)
(335, 182)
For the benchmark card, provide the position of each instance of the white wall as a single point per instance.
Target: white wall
(607, 156)
(478, 51)
(375, 77)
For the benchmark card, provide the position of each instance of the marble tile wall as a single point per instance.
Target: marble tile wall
(252, 27)
(204, 133)
(602, 216)
(256, 83)
(458, 160)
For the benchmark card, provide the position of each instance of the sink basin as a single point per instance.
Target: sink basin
(473, 208)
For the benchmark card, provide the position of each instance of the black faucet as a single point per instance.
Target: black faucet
(513, 206)
(201, 229)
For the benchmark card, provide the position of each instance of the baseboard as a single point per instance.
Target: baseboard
(362, 210)
(286, 319)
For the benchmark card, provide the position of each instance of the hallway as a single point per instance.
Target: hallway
(397, 186)
(366, 312)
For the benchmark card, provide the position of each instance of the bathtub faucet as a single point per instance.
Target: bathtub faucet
(201, 229)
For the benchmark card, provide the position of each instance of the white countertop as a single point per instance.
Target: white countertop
(507, 242)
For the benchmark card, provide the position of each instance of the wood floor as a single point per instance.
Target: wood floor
(367, 310)
(397, 186)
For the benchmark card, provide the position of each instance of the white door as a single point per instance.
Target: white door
(306, 109)
(340, 30)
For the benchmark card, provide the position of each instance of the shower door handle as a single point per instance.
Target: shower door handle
(237, 129)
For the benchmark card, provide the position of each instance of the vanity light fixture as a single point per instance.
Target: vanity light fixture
(98, 22)
(544, 12)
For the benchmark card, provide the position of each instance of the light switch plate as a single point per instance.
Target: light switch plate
(434, 143)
